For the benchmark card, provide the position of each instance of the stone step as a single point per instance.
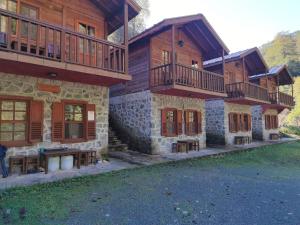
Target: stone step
(120, 147)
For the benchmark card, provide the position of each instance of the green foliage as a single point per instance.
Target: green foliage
(136, 25)
(294, 130)
(285, 49)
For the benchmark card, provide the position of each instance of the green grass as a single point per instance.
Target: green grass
(58, 200)
(294, 130)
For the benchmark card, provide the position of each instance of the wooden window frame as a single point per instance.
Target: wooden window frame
(198, 124)
(34, 121)
(177, 122)
(271, 122)
(89, 127)
(240, 125)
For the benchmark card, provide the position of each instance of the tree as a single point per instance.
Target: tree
(136, 25)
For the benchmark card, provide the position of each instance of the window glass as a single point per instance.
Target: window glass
(13, 121)
(195, 64)
(31, 12)
(166, 57)
(74, 124)
(171, 122)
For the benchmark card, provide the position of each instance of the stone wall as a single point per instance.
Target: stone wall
(217, 121)
(15, 85)
(130, 115)
(235, 108)
(259, 131)
(215, 125)
(138, 115)
(162, 144)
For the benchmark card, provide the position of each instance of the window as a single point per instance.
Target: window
(13, 121)
(31, 12)
(239, 122)
(73, 121)
(271, 122)
(20, 121)
(10, 5)
(193, 122)
(166, 57)
(171, 122)
(91, 47)
(195, 64)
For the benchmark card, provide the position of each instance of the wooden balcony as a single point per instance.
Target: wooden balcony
(35, 48)
(247, 93)
(282, 99)
(186, 81)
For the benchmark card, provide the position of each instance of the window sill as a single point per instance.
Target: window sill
(74, 141)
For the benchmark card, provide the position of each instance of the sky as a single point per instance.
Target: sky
(241, 24)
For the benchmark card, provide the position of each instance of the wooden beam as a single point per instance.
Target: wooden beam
(173, 52)
(244, 70)
(194, 39)
(205, 36)
(126, 41)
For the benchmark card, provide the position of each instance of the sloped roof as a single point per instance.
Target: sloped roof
(197, 26)
(113, 9)
(285, 78)
(253, 56)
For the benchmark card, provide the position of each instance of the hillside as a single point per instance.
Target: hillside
(285, 49)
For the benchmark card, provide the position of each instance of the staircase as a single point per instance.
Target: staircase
(114, 143)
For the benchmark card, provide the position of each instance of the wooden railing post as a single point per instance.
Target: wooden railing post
(173, 54)
(63, 46)
(126, 39)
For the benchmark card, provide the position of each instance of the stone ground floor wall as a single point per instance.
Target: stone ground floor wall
(217, 121)
(16, 85)
(138, 115)
(235, 108)
(258, 124)
(215, 124)
(162, 144)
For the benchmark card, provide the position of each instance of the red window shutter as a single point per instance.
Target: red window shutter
(187, 125)
(36, 121)
(163, 122)
(199, 122)
(91, 122)
(249, 122)
(179, 122)
(230, 121)
(57, 122)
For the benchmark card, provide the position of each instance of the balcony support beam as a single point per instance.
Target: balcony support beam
(126, 39)
(173, 52)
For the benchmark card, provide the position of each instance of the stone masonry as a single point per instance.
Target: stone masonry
(139, 115)
(258, 117)
(217, 124)
(15, 85)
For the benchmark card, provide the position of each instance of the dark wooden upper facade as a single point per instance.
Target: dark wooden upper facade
(168, 59)
(242, 84)
(65, 39)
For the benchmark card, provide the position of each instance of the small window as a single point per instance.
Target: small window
(271, 122)
(195, 64)
(231, 77)
(13, 122)
(166, 57)
(74, 121)
(87, 30)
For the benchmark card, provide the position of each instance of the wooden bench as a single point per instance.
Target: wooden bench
(274, 137)
(186, 146)
(242, 140)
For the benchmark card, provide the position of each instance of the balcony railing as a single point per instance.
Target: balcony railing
(187, 76)
(35, 38)
(245, 89)
(282, 99)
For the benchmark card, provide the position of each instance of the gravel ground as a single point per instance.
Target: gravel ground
(243, 189)
(191, 194)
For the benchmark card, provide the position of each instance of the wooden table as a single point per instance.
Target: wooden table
(190, 144)
(60, 153)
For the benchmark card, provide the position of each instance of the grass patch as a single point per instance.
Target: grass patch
(60, 199)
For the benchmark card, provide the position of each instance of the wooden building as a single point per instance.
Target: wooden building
(229, 120)
(265, 117)
(164, 102)
(56, 66)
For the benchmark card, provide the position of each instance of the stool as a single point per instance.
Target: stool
(32, 161)
(17, 161)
